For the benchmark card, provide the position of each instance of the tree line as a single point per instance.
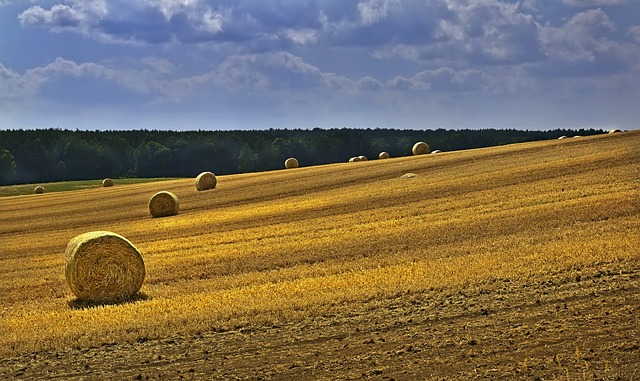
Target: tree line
(30, 156)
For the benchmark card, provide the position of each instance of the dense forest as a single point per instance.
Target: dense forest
(29, 156)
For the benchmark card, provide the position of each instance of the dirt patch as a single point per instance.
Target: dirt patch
(577, 327)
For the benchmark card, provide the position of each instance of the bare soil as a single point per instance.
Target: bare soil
(579, 326)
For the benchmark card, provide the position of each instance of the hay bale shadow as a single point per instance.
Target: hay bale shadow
(82, 304)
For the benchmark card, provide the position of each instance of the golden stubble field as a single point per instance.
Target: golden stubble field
(517, 261)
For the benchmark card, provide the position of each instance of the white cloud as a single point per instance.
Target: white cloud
(352, 52)
(15, 86)
(575, 41)
(634, 32)
(372, 11)
(443, 79)
(277, 71)
(594, 3)
(60, 15)
(302, 36)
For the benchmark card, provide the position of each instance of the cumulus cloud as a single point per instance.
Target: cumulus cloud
(61, 16)
(278, 24)
(634, 33)
(441, 31)
(14, 86)
(576, 40)
(594, 3)
(443, 79)
(276, 71)
(274, 48)
(158, 78)
(372, 11)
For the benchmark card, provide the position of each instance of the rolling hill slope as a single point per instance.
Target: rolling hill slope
(433, 262)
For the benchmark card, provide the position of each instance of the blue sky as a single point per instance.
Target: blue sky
(258, 64)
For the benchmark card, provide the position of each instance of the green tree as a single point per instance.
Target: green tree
(7, 167)
(80, 160)
(32, 162)
(247, 159)
(152, 159)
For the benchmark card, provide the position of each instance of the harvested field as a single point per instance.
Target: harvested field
(511, 262)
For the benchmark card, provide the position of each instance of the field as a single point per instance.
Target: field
(511, 262)
(24, 189)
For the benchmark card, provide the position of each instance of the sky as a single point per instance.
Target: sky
(260, 64)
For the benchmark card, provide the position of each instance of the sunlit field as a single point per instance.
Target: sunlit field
(24, 189)
(268, 248)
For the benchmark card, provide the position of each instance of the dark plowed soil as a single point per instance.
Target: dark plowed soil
(566, 327)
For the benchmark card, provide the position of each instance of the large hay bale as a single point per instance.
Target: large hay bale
(102, 266)
(107, 182)
(38, 190)
(420, 148)
(354, 159)
(205, 181)
(614, 131)
(291, 162)
(164, 204)
(383, 155)
(362, 158)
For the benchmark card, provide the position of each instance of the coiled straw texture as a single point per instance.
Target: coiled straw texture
(205, 181)
(164, 204)
(291, 162)
(420, 148)
(102, 266)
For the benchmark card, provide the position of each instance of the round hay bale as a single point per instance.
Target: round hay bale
(205, 181)
(291, 162)
(38, 190)
(420, 148)
(614, 131)
(383, 155)
(435, 151)
(164, 204)
(102, 266)
(362, 158)
(354, 159)
(562, 137)
(107, 182)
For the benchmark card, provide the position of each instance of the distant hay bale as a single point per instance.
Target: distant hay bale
(164, 204)
(614, 131)
(562, 137)
(205, 181)
(107, 182)
(291, 162)
(38, 190)
(362, 158)
(420, 148)
(383, 155)
(353, 159)
(408, 175)
(577, 136)
(436, 151)
(102, 266)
